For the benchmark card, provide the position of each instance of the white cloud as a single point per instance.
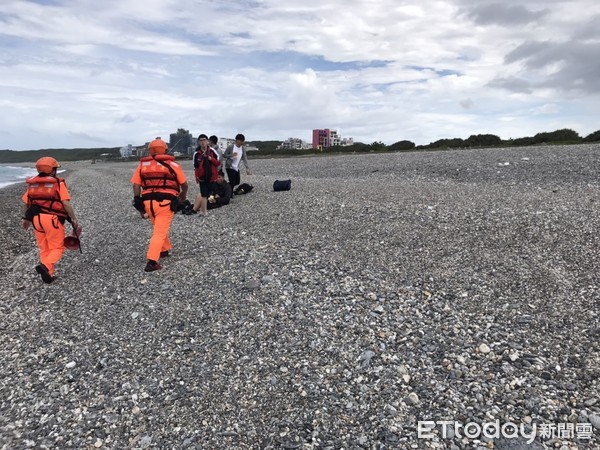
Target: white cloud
(548, 108)
(73, 74)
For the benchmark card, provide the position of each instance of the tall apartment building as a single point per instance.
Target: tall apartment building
(321, 138)
(328, 138)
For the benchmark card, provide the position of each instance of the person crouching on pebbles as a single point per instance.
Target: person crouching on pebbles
(47, 207)
(158, 184)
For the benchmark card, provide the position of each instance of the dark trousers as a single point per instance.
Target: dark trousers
(234, 178)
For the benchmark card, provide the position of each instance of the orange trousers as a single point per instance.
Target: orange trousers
(161, 216)
(50, 236)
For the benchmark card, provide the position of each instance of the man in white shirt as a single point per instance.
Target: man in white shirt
(233, 155)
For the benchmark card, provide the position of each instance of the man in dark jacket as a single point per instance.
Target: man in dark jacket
(206, 161)
(221, 193)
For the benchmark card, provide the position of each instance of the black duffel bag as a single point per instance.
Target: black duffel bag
(282, 185)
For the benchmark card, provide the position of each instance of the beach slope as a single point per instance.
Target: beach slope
(382, 290)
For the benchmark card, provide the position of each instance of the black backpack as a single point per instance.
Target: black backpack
(243, 188)
(282, 185)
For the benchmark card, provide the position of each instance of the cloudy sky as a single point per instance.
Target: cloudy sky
(91, 73)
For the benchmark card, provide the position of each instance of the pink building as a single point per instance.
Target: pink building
(321, 138)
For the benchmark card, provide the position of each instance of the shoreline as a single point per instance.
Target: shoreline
(64, 169)
(4, 184)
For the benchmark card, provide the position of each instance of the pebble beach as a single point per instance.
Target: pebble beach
(381, 291)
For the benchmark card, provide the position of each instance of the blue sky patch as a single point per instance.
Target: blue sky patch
(47, 2)
(296, 61)
(441, 73)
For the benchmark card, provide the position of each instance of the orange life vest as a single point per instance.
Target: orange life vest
(158, 176)
(44, 193)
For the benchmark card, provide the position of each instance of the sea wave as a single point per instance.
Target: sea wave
(15, 174)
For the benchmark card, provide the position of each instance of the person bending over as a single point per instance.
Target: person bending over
(234, 155)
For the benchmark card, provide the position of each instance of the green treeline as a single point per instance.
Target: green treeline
(563, 136)
(61, 154)
(269, 148)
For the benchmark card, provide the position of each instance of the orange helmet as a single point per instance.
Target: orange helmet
(157, 147)
(46, 164)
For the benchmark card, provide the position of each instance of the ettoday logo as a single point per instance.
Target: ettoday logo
(508, 430)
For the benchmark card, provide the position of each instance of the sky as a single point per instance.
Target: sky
(90, 73)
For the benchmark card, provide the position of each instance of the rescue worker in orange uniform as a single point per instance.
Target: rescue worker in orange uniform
(47, 205)
(158, 184)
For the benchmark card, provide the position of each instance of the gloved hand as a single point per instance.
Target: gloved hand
(138, 203)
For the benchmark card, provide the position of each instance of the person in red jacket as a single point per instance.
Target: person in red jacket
(47, 205)
(158, 184)
(206, 163)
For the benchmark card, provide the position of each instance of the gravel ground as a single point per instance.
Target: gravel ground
(382, 290)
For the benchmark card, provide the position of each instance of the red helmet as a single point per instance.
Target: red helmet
(46, 164)
(157, 147)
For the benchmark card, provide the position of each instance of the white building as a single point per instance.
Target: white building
(226, 142)
(127, 151)
(294, 144)
(334, 138)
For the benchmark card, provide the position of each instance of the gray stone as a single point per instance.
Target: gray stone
(390, 410)
(378, 309)
(145, 442)
(412, 399)
(365, 358)
(252, 285)
(483, 348)
(517, 443)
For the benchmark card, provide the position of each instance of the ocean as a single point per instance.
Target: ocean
(14, 174)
